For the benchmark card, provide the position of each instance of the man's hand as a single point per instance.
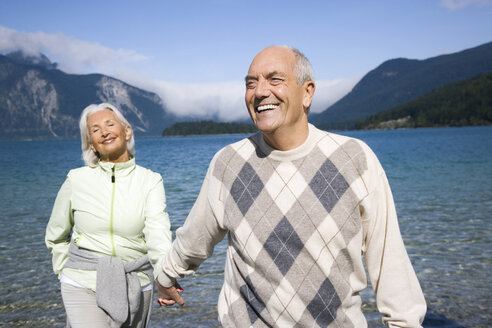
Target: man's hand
(170, 295)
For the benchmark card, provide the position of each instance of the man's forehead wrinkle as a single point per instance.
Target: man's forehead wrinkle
(270, 74)
(267, 75)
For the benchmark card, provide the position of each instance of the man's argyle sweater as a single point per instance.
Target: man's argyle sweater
(298, 224)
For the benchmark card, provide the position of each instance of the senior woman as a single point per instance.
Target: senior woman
(109, 228)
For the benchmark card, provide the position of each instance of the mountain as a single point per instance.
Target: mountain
(467, 102)
(398, 81)
(39, 101)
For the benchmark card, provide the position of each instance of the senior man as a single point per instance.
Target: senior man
(302, 208)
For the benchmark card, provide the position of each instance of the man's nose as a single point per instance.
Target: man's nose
(262, 88)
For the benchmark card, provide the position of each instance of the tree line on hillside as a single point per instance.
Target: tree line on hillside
(463, 103)
(207, 127)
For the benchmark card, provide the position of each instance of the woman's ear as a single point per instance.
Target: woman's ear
(128, 132)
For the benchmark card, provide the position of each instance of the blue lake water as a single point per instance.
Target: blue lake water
(442, 185)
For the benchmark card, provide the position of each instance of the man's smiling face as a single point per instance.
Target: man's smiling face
(273, 97)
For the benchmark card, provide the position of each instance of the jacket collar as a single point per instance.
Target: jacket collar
(120, 169)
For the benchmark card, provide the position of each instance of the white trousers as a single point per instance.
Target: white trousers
(82, 310)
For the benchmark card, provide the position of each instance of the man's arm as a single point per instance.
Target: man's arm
(195, 240)
(398, 294)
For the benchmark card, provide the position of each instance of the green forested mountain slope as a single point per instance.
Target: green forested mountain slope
(462, 103)
(398, 81)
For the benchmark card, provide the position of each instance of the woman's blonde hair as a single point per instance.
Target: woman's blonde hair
(89, 156)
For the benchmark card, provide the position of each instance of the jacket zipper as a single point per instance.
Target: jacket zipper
(113, 181)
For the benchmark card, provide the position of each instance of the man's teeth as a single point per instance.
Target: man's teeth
(265, 107)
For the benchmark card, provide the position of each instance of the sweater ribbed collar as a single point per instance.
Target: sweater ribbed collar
(120, 169)
(296, 153)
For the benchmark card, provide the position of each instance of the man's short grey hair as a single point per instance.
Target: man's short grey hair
(303, 69)
(90, 157)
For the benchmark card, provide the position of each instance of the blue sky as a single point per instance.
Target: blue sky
(194, 54)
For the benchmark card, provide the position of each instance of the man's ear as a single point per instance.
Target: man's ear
(309, 87)
(92, 148)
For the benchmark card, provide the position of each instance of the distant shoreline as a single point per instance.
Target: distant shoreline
(348, 130)
(245, 133)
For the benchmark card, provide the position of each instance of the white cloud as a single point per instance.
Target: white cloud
(329, 92)
(458, 4)
(223, 100)
(72, 55)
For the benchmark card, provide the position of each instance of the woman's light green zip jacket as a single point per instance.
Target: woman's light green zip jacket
(113, 209)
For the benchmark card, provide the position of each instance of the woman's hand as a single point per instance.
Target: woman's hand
(170, 295)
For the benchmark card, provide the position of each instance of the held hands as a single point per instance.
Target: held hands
(170, 295)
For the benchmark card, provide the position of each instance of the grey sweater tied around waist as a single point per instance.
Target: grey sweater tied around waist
(118, 286)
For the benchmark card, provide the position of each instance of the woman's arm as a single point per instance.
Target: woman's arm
(157, 229)
(59, 227)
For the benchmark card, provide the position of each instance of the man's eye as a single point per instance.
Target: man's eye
(251, 84)
(275, 80)
(95, 130)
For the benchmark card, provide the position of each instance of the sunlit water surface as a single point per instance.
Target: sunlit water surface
(441, 180)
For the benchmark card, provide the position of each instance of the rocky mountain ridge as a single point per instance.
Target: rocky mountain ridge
(39, 101)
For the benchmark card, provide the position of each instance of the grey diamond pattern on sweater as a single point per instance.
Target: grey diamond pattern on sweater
(254, 305)
(283, 245)
(246, 188)
(324, 305)
(327, 184)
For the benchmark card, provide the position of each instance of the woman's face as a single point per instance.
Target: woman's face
(108, 136)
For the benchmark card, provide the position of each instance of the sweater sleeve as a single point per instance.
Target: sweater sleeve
(157, 228)
(398, 294)
(58, 230)
(196, 239)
